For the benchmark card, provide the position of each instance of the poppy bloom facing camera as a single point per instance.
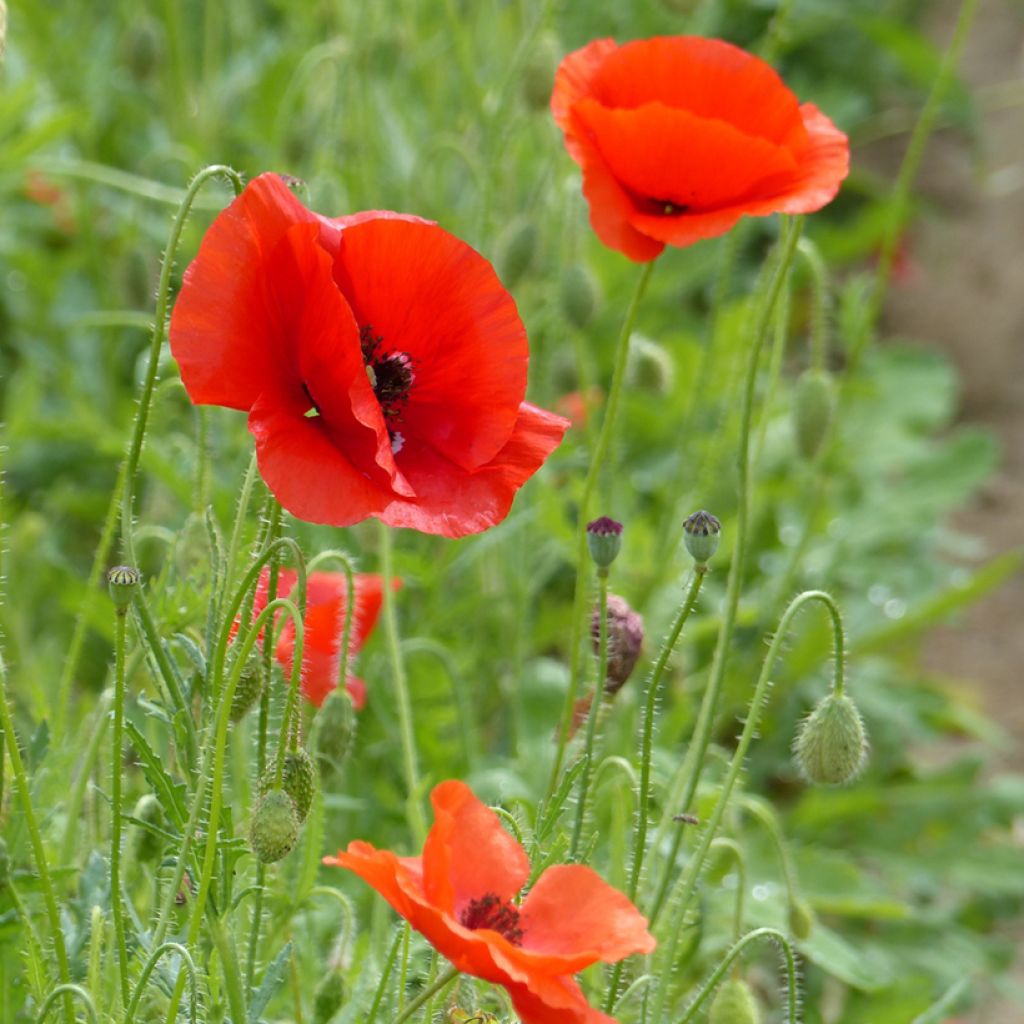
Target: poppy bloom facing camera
(680, 136)
(382, 364)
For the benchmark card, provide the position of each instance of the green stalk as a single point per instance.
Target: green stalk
(414, 806)
(116, 754)
(589, 484)
(67, 990)
(427, 994)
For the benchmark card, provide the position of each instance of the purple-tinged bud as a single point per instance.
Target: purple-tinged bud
(701, 533)
(604, 538)
(625, 640)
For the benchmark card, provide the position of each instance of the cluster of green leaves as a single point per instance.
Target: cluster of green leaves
(439, 109)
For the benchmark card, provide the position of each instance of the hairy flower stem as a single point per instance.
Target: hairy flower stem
(36, 840)
(589, 485)
(688, 882)
(595, 712)
(427, 994)
(116, 756)
(694, 762)
(413, 806)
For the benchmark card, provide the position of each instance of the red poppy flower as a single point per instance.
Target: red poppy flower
(461, 895)
(324, 625)
(381, 362)
(679, 136)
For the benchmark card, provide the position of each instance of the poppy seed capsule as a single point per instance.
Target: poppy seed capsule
(516, 251)
(579, 295)
(814, 403)
(734, 1003)
(625, 641)
(831, 745)
(298, 779)
(123, 582)
(334, 730)
(274, 828)
(604, 539)
(701, 534)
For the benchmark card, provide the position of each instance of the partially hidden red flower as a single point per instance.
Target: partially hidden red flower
(381, 362)
(680, 136)
(461, 895)
(324, 625)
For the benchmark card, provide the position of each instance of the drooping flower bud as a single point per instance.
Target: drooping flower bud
(734, 1003)
(539, 72)
(298, 780)
(580, 295)
(801, 918)
(701, 534)
(516, 250)
(274, 828)
(328, 997)
(604, 539)
(146, 846)
(123, 582)
(831, 744)
(334, 730)
(814, 404)
(248, 690)
(625, 640)
(650, 367)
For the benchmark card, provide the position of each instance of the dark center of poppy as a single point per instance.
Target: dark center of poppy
(666, 207)
(491, 912)
(391, 376)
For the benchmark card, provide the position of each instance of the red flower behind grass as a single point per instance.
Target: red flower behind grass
(324, 624)
(381, 362)
(679, 136)
(461, 896)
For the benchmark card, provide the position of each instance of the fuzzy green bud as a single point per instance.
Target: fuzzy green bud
(579, 295)
(248, 690)
(516, 251)
(334, 730)
(328, 997)
(814, 404)
(538, 79)
(604, 539)
(274, 828)
(734, 1003)
(701, 534)
(298, 780)
(123, 582)
(650, 367)
(831, 745)
(801, 918)
(146, 846)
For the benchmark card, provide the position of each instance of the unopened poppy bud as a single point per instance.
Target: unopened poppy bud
(625, 640)
(248, 690)
(539, 72)
(580, 295)
(334, 730)
(298, 779)
(328, 997)
(516, 251)
(146, 845)
(650, 367)
(701, 533)
(734, 1003)
(801, 918)
(604, 538)
(123, 582)
(274, 828)
(831, 745)
(814, 403)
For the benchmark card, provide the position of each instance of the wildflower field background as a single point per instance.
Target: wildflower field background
(901, 893)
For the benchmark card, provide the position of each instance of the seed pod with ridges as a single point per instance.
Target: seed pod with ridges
(274, 828)
(538, 79)
(625, 640)
(146, 846)
(516, 251)
(328, 997)
(579, 295)
(814, 403)
(334, 730)
(604, 540)
(123, 582)
(734, 1003)
(298, 779)
(651, 366)
(248, 690)
(831, 745)
(801, 918)
(701, 534)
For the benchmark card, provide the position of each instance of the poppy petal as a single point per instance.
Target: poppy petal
(562, 1002)
(574, 80)
(429, 295)
(356, 689)
(452, 875)
(223, 332)
(454, 503)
